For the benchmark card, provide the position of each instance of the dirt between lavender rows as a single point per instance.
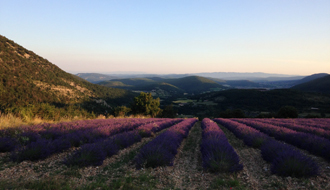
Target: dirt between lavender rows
(119, 172)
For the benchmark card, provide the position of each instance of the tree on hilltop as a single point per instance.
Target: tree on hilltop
(287, 112)
(145, 104)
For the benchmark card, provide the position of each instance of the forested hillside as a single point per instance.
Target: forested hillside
(28, 80)
(191, 84)
(321, 85)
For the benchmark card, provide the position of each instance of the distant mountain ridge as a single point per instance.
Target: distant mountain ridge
(191, 84)
(95, 77)
(140, 83)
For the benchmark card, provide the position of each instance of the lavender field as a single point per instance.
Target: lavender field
(162, 153)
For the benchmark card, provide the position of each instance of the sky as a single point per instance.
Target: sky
(173, 36)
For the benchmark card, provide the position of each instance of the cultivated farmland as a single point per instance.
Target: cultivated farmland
(167, 154)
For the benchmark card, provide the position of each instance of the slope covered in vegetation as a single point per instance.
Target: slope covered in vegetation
(28, 80)
(191, 84)
(321, 85)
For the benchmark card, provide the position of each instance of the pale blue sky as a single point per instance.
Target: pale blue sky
(174, 36)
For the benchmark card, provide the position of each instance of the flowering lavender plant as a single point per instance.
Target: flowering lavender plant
(88, 154)
(217, 154)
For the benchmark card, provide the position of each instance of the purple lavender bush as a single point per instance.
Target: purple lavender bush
(162, 150)
(289, 163)
(7, 144)
(312, 143)
(124, 140)
(87, 155)
(285, 159)
(110, 147)
(33, 151)
(217, 154)
(26, 138)
(59, 145)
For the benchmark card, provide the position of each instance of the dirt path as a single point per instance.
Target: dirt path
(187, 172)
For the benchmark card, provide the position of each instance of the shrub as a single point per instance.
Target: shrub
(272, 149)
(290, 163)
(110, 147)
(219, 156)
(126, 139)
(88, 154)
(7, 144)
(256, 140)
(28, 137)
(59, 145)
(34, 151)
(287, 112)
(161, 150)
(153, 156)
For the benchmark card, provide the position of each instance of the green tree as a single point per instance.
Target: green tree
(169, 112)
(145, 104)
(121, 111)
(237, 113)
(287, 112)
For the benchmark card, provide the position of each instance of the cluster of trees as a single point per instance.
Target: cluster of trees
(145, 104)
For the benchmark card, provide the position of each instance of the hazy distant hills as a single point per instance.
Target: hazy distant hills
(258, 76)
(248, 76)
(269, 81)
(318, 84)
(311, 77)
(28, 79)
(95, 77)
(191, 84)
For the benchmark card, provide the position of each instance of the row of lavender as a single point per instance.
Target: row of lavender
(95, 153)
(319, 130)
(78, 132)
(316, 145)
(323, 123)
(60, 137)
(285, 159)
(217, 154)
(162, 150)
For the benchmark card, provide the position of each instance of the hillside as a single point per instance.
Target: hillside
(242, 84)
(161, 89)
(321, 85)
(134, 81)
(256, 101)
(192, 84)
(114, 84)
(311, 77)
(30, 80)
(95, 77)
